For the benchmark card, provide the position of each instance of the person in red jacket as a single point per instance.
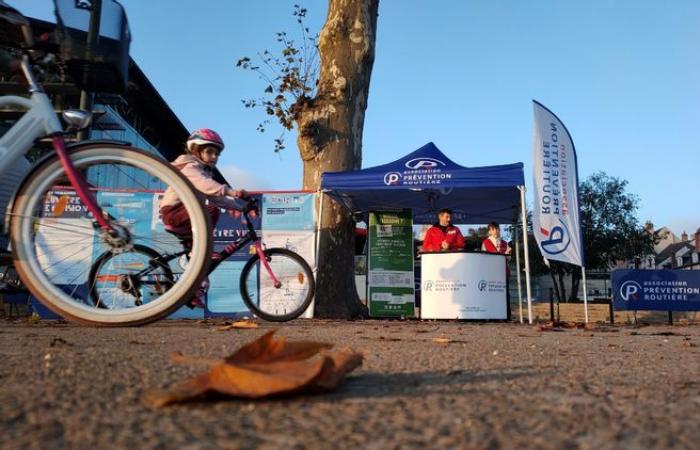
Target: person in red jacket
(494, 244)
(443, 236)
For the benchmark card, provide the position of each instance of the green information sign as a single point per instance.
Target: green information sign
(391, 283)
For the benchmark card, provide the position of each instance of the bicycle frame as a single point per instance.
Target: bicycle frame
(251, 236)
(39, 121)
(230, 249)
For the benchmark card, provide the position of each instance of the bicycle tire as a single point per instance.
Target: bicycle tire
(95, 272)
(300, 269)
(28, 217)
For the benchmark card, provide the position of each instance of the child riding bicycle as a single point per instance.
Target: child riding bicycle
(203, 149)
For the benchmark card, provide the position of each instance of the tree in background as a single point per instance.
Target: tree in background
(610, 229)
(325, 98)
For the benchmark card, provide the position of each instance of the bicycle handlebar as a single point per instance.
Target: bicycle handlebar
(251, 204)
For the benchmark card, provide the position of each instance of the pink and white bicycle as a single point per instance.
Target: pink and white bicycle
(54, 247)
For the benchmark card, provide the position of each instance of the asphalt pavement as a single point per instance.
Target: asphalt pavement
(422, 385)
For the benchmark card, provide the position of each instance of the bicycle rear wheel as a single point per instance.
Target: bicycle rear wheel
(55, 242)
(286, 301)
(129, 279)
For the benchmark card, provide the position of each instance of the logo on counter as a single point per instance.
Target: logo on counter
(443, 285)
(491, 286)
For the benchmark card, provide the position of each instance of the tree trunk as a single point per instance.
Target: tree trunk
(330, 140)
(562, 286)
(574, 284)
(560, 297)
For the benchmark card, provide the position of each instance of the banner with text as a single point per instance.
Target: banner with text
(287, 220)
(391, 283)
(656, 290)
(555, 217)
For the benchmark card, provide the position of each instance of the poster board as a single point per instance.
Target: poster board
(391, 288)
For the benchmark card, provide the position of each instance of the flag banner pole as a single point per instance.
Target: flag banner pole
(585, 294)
(527, 255)
(517, 267)
(555, 217)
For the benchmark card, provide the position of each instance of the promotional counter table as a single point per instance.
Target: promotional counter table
(460, 285)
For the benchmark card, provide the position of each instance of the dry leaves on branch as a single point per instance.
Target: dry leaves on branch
(266, 367)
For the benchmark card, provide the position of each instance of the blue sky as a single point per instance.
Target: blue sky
(623, 75)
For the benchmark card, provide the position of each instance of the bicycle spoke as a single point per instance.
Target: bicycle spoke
(69, 256)
(37, 221)
(135, 182)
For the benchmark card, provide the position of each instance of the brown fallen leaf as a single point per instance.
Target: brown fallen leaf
(547, 326)
(265, 367)
(241, 324)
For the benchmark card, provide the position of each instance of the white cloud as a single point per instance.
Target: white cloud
(242, 179)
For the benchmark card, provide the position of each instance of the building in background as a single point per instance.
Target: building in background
(138, 116)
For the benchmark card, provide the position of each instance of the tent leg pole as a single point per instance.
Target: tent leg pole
(585, 294)
(309, 313)
(318, 228)
(517, 268)
(527, 255)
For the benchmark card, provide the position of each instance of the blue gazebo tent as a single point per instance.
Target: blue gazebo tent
(426, 180)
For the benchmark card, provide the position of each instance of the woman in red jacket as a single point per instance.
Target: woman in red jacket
(494, 244)
(443, 236)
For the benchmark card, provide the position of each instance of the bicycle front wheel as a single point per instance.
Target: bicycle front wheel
(281, 293)
(56, 242)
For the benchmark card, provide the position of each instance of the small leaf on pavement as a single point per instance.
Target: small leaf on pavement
(240, 324)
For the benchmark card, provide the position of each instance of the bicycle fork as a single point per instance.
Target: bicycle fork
(231, 249)
(80, 186)
(263, 259)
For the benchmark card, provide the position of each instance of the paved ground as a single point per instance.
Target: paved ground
(492, 386)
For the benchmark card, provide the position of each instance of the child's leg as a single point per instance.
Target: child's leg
(177, 217)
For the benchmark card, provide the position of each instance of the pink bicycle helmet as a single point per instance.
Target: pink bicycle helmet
(205, 136)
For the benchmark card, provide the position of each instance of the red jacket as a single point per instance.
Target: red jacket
(488, 246)
(434, 237)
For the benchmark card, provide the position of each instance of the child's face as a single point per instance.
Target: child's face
(210, 155)
(494, 232)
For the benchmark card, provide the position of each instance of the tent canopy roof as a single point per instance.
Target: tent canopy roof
(426, 181)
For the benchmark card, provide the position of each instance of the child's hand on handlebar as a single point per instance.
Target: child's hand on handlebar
(242, 194)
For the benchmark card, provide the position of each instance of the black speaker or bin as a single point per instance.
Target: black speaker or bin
(103, 67)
